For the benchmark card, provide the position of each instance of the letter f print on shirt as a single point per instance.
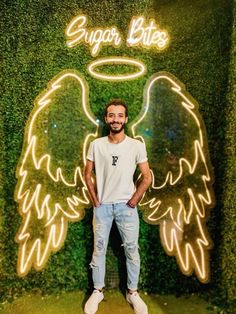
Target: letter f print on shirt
(114, 160)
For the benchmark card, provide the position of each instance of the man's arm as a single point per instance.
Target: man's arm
(143, 186)
(88, 175)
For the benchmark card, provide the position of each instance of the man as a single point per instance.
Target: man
(114, 158)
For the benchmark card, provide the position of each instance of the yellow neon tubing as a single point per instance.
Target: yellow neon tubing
(190, 257)
(35, 254)
(116, 60)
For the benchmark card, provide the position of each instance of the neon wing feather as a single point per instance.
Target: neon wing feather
(50, 189)
(181, 191)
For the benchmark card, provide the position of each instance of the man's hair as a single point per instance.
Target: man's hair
(117, 102)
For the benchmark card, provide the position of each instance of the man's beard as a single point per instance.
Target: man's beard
(114, 131)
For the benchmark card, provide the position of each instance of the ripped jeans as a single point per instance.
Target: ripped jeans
(127, 221)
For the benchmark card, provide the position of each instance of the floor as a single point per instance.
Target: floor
(114, 303)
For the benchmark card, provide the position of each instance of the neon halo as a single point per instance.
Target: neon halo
(116, 60)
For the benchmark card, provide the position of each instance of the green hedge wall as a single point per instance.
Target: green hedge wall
(199, 54)
(227, 247)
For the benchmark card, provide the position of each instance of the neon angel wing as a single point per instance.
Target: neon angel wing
(50, 189)
(181, 190)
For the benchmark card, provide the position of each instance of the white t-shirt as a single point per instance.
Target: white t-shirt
(115, 165)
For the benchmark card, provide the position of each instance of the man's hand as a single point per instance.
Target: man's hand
(133, 202)
(143, 186)
(96, 203)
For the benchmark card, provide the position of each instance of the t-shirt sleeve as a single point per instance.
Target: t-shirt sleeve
(142, 154)
(90, 155)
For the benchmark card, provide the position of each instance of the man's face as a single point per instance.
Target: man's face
(116, 118)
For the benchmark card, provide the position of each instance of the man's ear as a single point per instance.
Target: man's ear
(126, 119)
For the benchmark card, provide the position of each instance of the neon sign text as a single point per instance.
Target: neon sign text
(146, 36)
(140, 33)
(76, 32)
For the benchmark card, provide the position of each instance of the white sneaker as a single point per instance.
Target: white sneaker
(138, 304)
(91, 305)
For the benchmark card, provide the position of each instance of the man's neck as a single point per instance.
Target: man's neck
(116, 138)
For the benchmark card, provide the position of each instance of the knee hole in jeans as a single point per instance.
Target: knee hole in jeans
(100, 245)
(99, 248)
(131, 251)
